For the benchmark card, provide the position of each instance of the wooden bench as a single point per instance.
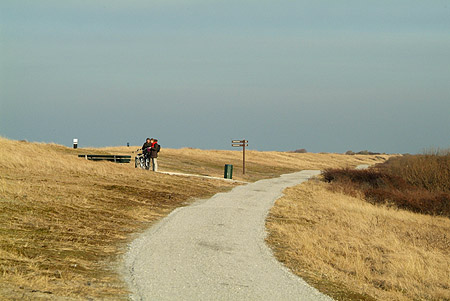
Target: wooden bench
(110, 158)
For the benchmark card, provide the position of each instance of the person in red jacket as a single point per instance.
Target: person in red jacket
(154, 150)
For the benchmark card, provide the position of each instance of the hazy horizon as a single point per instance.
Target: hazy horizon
(325, 76)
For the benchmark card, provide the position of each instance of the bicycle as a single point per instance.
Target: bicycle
(142, 161)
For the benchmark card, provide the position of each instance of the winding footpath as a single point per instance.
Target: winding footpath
(214, 249)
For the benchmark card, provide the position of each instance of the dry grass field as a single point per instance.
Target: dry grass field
(354, 250)
(65, 221)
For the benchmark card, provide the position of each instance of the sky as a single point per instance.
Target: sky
(323, 75)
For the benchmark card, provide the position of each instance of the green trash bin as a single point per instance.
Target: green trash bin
(228, 173)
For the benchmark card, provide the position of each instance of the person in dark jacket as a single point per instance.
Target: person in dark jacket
(147, 145)
(154, 150)
(146, 148)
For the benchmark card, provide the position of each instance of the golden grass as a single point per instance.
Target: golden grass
(353, 250)
(64, 221)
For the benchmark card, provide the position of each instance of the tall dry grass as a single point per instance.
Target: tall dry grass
(353, 250)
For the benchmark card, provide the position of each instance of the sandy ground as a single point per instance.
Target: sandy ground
(215, 250)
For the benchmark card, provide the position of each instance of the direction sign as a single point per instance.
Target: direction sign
(241, 143)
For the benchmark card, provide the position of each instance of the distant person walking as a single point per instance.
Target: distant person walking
(154, 150)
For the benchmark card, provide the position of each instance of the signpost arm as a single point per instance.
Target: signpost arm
(243, 143)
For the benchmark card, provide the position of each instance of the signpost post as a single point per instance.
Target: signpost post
(241, 143)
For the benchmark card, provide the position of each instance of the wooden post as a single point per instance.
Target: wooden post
(241, 143)
(243, 158)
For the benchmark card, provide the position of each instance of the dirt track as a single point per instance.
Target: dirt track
(215, 250)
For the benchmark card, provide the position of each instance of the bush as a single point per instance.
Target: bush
(300, 151)
(430, 172)
(363, 152)
(417, 183)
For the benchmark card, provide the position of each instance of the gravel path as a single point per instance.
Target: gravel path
(214, 250)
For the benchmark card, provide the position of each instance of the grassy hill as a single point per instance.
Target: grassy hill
(65, 221)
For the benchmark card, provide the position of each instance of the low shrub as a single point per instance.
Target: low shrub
(415, 200)
(429, 171)
(299, 151)
(363, 152)
(419, 183)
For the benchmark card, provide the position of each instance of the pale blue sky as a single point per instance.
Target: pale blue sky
(327, 76)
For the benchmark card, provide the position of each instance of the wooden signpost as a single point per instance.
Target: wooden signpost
(241, 143)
